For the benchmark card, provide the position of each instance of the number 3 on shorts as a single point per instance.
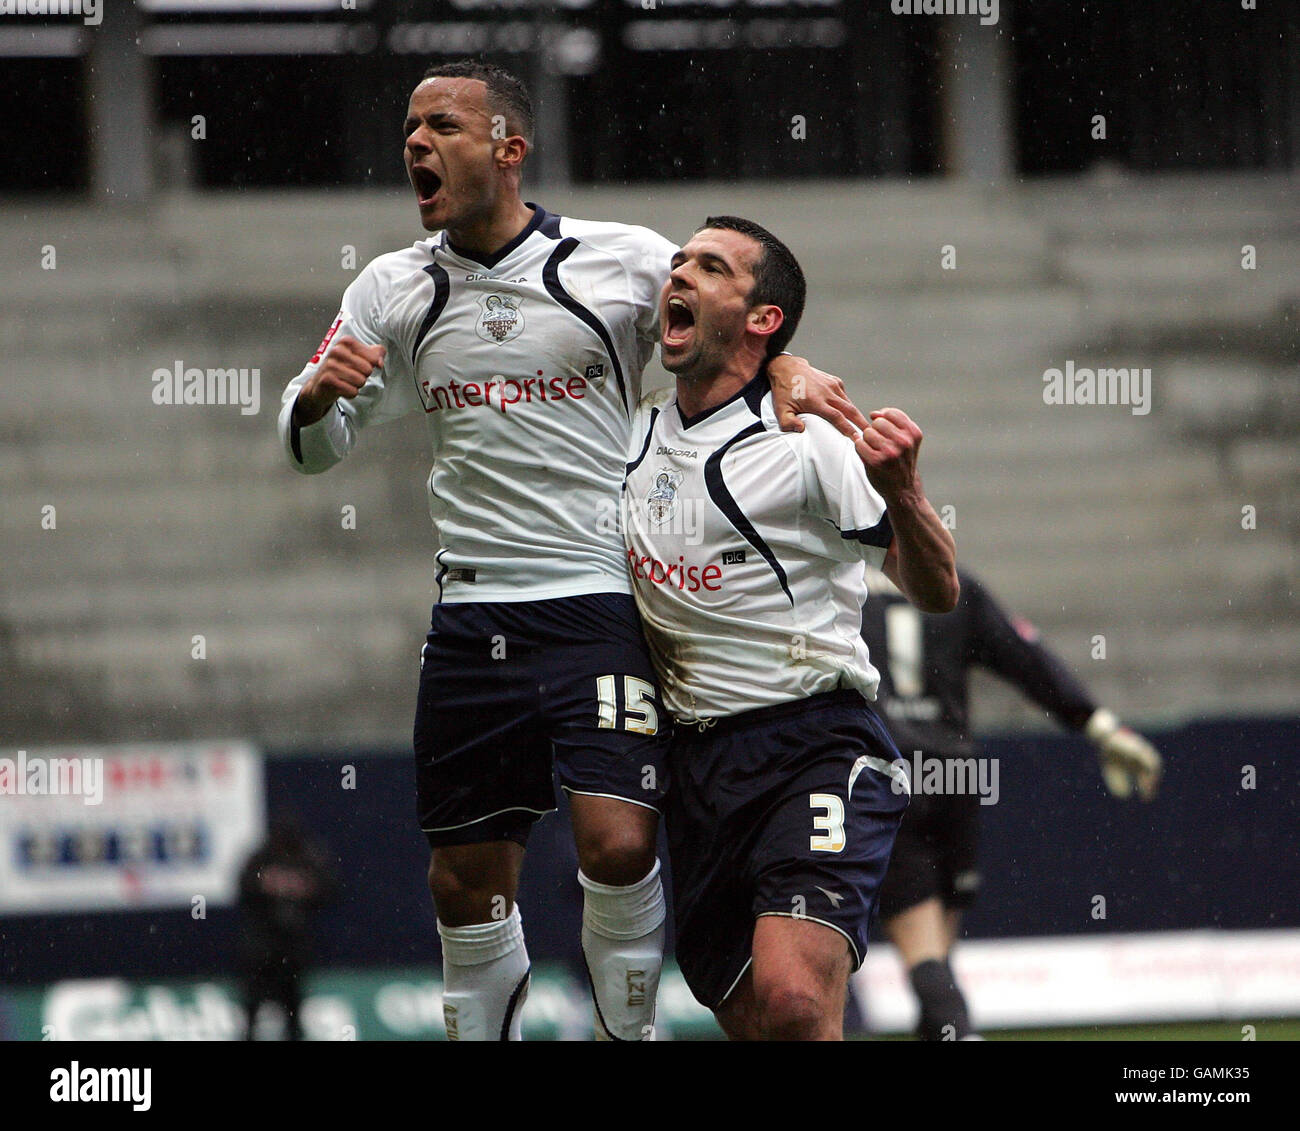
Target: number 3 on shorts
(639, 714)
(830, 823)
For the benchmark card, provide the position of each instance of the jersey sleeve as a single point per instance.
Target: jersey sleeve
(648, 263)
(1011, 647)
(837, 490)
(386, 395)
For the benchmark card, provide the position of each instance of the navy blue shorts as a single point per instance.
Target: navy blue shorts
(509, 690)
(787, 810)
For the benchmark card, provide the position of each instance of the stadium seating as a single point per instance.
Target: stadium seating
(180, 521)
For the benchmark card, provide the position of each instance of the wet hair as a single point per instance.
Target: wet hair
(778, 278)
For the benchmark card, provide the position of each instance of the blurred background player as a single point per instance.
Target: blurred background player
(925, 663)
(282, 885)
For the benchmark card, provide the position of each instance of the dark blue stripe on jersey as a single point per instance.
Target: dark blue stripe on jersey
(441, 291)
(631, 467)
(550, 225)
(295, 433)
(723, 500)
(551, 280)
(756, 390)
(752, 394)
(879, 535)
(490, 261)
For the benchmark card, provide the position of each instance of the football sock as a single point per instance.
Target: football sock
(943, 1008)
(623, 941)
(485, 980)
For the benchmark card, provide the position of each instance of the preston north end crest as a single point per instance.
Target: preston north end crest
(501, 319)
(661, 502)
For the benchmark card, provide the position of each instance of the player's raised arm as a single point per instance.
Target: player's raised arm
(343, 373)
(797, 386)
(352, 380)
(922, 559)
(315, 431)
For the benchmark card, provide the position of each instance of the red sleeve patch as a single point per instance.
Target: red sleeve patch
(325, 341)
(1026, 631)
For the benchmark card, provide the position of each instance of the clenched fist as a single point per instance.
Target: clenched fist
(342, 374)
(889, 448)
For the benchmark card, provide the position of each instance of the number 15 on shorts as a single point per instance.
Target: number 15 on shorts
(639, 715)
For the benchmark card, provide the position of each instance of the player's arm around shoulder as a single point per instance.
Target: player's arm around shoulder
(922, 558)
(800, 389)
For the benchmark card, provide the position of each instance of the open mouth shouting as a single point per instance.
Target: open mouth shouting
(426, 182)
(678, 324)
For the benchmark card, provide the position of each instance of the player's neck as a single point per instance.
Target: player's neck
(485, 236)
(699, 394)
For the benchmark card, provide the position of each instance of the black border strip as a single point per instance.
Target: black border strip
(551, 280)
(723, 500)
(879, 535)
(441, 292)
(645, 448)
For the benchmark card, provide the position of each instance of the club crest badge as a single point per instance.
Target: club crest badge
(661, 502)
(501, 319)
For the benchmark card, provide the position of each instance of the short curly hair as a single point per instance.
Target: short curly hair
(506, 93)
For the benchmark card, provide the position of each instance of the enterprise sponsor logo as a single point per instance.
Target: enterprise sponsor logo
(507, 391)
(689, 578)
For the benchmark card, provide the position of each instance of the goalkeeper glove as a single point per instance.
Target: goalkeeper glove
(1126, 757)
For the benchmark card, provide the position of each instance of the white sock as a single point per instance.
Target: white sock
(623, 940)
(484, 980)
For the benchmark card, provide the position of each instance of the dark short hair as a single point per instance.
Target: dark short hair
(506, 94)
(778, 278)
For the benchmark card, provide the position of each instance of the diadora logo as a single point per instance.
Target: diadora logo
(834, 897)
(681, 453)
(501, 320)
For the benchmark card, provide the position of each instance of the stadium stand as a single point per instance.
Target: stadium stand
(173, 522)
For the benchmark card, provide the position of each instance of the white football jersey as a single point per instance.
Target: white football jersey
(527, 368)
(748, 547)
